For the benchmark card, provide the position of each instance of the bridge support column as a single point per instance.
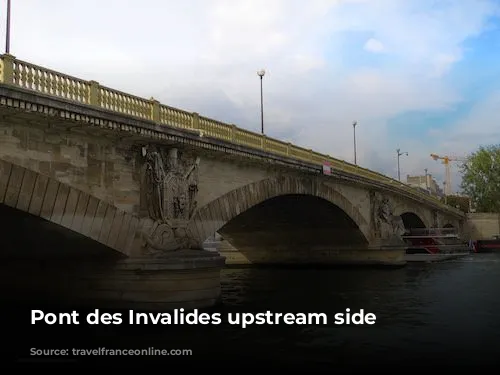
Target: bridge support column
(187, 279)
(166, 269)
(390, 251)
(436, 222)
(382, 254)
(386, 230)
(190, 279)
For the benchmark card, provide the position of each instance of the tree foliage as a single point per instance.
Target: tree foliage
(481, 178)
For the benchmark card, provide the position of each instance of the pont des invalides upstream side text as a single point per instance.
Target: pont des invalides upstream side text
(181, 317)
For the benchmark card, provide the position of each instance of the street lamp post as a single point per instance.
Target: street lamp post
(7, 29)
(426, 180)
(261, 73)
(399, 154)
(354, 123)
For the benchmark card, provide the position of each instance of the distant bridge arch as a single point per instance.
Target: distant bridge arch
(414, 215)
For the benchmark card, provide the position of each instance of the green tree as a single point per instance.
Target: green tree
(481, 178)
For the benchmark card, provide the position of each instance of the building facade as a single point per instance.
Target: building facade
(425, 183)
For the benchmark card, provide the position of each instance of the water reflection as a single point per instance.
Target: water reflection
(432, 308)
(424, 311)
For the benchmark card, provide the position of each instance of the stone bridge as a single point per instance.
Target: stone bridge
(109, 197)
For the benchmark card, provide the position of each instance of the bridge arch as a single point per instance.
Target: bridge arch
(414, 215)
(44, 197)
(214, 215)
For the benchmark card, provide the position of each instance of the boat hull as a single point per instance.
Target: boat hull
(434, 245)
(487, 246)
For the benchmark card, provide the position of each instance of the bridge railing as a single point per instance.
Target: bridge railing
(433, 232)
(46, 81)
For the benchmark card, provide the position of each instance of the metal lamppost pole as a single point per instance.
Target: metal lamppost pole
(261, 73)
(399, 154)
(426, 180)
(7, 32)
(354, 129)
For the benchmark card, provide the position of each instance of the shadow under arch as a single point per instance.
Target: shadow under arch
(412, 221)
(52, 236)
(42, 201)
(296, 228)
(30, 238)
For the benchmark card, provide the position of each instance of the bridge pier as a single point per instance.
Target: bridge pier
(60, 245)
(189, 279)
(376, 255)
(166, 267)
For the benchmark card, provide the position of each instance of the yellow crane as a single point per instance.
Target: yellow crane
(446, 161)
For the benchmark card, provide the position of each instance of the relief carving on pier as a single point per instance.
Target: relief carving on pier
(385, 223)
(435, 219)
(169, 186)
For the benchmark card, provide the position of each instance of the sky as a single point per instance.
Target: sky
(422, 76)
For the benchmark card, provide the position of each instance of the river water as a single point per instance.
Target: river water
(443, 313)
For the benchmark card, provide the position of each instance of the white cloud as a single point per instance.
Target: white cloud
(203, 56)
(480, 127)
(444, 61)
(374, 45)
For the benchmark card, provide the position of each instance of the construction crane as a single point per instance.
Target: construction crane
(446, 161)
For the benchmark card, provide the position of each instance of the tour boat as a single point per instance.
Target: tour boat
(487, 246)
(212, 243)
(434, 244)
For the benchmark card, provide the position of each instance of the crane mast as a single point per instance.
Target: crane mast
(446, 161)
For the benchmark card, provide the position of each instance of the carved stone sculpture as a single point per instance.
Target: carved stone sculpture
(168, 194)
(435, 219)
(385, 223)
